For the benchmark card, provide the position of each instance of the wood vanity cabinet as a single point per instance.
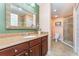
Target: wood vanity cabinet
(44, 45)
(36, 47)
(24, 53)
(35, 50)
(7, 52)
(20, 47)
(14, 50)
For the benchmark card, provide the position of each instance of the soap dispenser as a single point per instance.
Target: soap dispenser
(39, 31)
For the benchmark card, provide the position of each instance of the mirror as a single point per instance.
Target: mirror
(19, 18)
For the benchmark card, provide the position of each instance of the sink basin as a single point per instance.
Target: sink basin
(30, 36)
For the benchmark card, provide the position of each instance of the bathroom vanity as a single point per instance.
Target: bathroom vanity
(24, 46)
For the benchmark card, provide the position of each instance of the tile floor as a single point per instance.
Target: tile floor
(69, 42)
(60, 49)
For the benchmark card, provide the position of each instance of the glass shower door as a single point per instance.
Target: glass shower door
(68, 31)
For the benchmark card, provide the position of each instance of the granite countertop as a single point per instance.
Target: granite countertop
(10, 41)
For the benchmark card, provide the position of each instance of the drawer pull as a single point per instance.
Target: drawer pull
(26, 53)
(30, 50)
(16, 50)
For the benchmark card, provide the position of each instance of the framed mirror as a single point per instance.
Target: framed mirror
(19, 18)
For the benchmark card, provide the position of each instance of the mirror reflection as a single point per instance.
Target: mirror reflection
(19, 18)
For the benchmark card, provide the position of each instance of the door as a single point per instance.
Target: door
(44, 47)
(35, 50)
(68, 30)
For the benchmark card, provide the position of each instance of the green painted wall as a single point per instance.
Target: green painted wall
(2, 22)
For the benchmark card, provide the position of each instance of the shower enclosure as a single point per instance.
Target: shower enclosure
(68, 31)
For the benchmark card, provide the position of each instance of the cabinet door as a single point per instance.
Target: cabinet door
(20, 47)
(44, 47)
(35, 50)
(24, 53)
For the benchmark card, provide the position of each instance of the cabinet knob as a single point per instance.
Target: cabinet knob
(16, 50)
(30, 50)
(26, 53)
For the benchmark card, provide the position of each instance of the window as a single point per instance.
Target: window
(34, 20)
(29, 21)
(14, 20)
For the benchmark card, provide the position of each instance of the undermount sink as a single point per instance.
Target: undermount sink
(31, 36)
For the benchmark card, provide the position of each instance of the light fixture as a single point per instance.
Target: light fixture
(56, 16)
(20, 9)
(54, 10)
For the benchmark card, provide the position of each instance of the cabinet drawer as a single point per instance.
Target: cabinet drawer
(24, 53)
(20, 47)
(7, 52)
(35, 42)
(44, 38)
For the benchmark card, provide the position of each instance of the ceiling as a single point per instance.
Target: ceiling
(19, 11)
(16, 10)
(62, 9)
